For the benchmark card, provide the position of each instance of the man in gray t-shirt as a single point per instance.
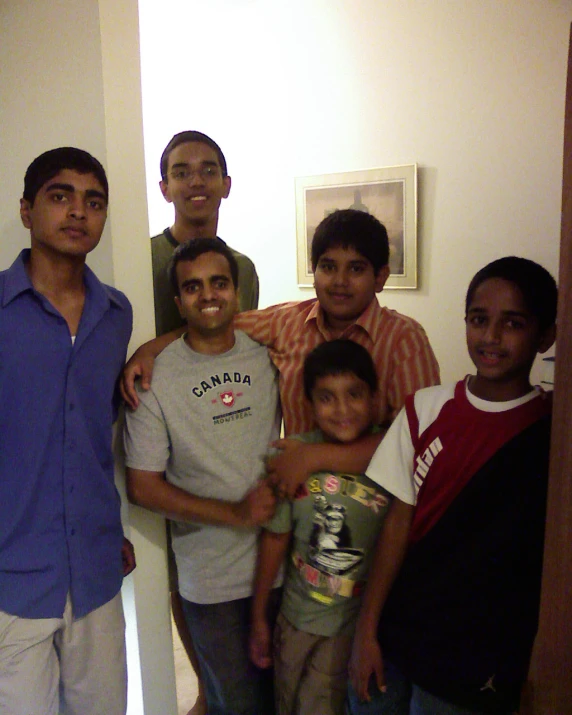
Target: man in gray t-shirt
(195, 453)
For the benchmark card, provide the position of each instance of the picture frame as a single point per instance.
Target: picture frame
(389, 193)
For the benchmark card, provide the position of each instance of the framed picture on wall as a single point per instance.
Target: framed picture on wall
(389, 193)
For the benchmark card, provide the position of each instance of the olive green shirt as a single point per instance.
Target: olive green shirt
(167, 316)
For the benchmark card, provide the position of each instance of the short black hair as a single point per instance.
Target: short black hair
(338, 357)
(350, 228)
(537, 286)
(185, 138)
(50, 163)
(195, 247)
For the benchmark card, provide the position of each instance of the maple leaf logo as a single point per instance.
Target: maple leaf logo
(227, 398)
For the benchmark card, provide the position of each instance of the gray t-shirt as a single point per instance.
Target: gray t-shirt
(207, 422)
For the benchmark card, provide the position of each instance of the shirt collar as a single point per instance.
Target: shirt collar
(18, 281)
(366, 321)
(173, 241)
(99, 290)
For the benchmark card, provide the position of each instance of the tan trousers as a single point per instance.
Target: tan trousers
(310, 671)
(64, 665)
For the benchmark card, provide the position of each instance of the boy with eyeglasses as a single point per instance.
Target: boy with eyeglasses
(194, 178)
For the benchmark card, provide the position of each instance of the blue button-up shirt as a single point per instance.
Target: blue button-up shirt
(60, 526)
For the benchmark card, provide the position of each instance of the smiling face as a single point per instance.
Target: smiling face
(503, 338)
(195, 186)
(208, 302)
(68, 215)
(343, 406)
(345, 284)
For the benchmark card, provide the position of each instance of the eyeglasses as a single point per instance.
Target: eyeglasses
(184, 173)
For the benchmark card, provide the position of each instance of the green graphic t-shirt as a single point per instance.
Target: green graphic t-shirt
(335, 519)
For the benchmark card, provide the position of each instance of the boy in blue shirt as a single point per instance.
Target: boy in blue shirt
(331, 527)
(458, 627)
(63, 340)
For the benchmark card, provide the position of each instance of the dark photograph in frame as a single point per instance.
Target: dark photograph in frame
(388, 193)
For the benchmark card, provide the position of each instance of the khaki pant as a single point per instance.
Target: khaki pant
(310, 671)
(63, 665)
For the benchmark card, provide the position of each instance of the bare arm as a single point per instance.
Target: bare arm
(152, 491)
(140, 366)
(272, 550)
(298, 460)
(366, 659)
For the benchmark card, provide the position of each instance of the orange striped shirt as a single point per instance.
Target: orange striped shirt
(398, 345)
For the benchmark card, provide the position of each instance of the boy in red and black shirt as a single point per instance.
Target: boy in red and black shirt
(458, 626)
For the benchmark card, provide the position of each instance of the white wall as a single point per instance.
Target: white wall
(471, 91)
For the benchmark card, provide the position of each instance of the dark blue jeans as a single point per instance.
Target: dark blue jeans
(402, 698)
(233, 684)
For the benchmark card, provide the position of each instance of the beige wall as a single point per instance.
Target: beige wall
(64, 80)
(50, 95)
(471, 91)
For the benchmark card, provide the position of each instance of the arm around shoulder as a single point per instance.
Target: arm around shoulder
(140, 366)
(298, 460)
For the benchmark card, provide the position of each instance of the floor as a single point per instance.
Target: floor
(185, 678)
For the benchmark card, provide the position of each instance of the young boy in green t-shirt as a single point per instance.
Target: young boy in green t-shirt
(331, 526)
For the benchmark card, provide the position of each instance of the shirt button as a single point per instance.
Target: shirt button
(72, 532)
(72, 406)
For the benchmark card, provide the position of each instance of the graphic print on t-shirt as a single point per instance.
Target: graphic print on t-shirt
(227, 397)
(329, 549)
(335, 519)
